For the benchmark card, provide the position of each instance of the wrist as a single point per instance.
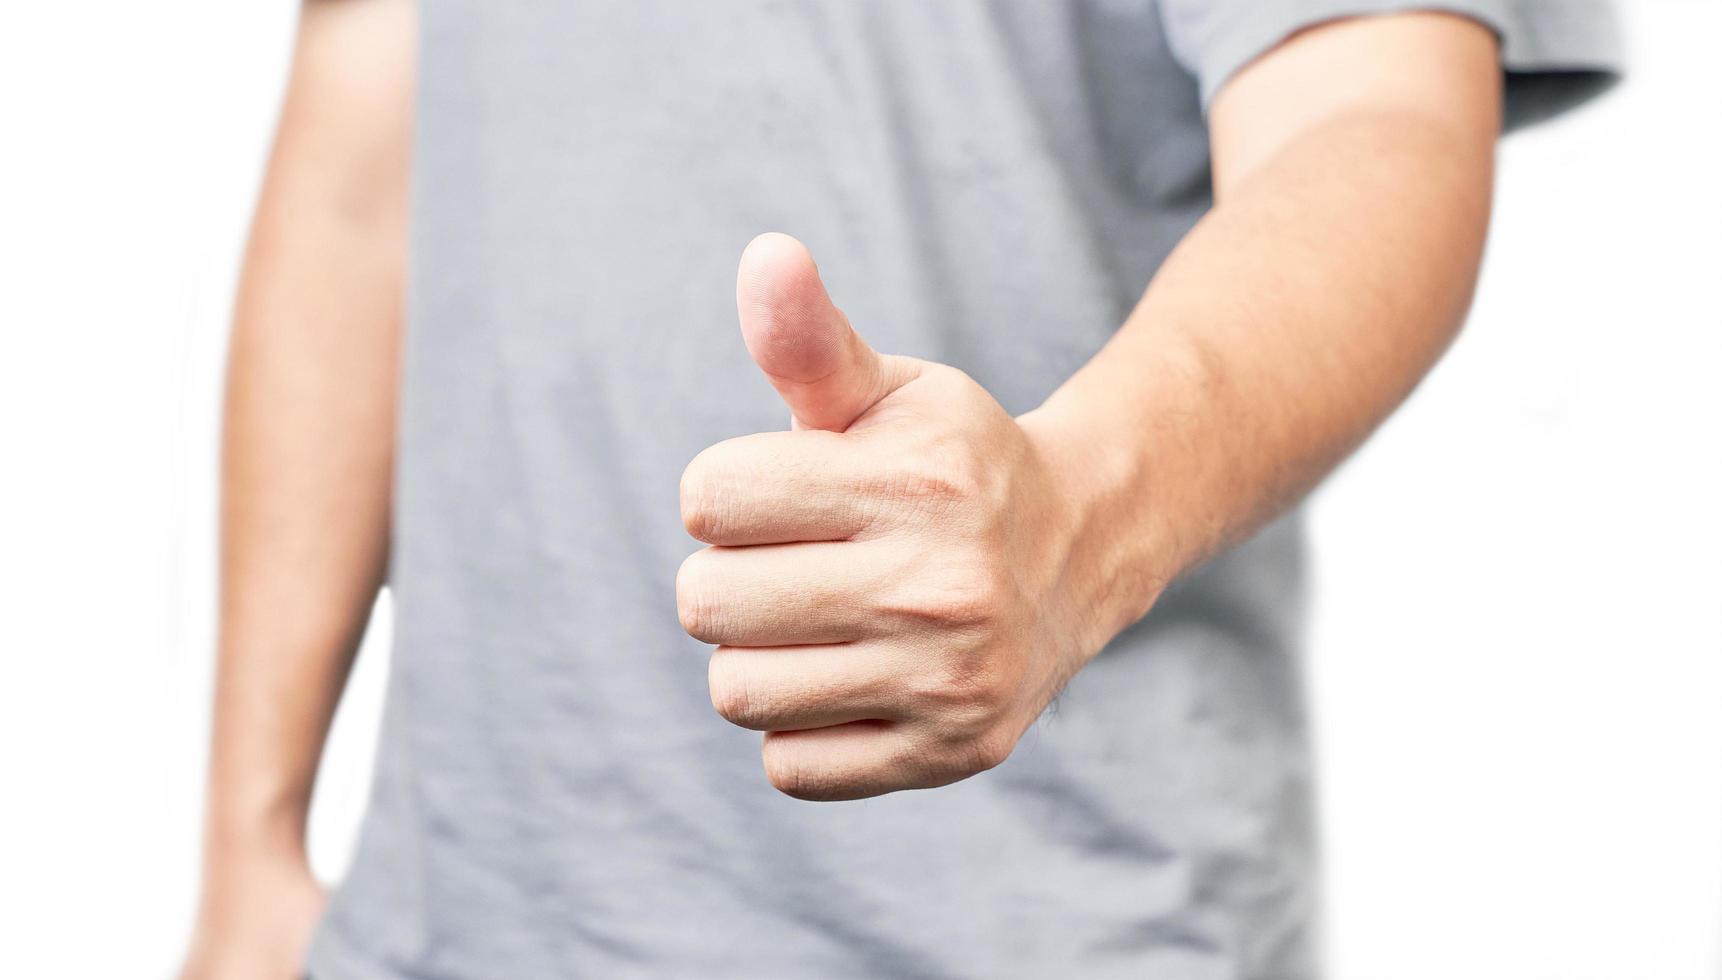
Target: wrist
(257, 915)
(248, 842)
(1118, 559)
(232, 867)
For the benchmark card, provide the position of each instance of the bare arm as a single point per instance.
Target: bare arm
(306, 457)
(1353, 175)
(933, 570)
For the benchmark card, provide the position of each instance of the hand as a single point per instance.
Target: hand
(894, 586)
(255, 923)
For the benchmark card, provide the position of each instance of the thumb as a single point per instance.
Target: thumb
(825, 372)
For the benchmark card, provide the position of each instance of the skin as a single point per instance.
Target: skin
(900, 583)
(305, 493)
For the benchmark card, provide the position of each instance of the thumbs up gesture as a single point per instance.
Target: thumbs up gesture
(895, 586)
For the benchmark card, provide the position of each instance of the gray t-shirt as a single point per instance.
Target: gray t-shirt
(986, 184)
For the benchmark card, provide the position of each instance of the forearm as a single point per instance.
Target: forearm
(1286, 326)
(305, 479)
(308, 427)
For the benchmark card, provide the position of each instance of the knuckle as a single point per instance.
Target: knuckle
(968, 698)
(733, 696)
(935, 484)
(696, 604)
(950, 463)
(989, 750)
(701, 498)
(981, 682)
(935, 476)
(942, 758)
(969, 596)
(792, 775)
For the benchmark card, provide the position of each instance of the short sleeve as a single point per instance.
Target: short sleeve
(1555, 53)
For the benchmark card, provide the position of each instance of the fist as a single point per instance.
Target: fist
(890, 585)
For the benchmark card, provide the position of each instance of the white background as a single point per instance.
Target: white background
(1517, 641)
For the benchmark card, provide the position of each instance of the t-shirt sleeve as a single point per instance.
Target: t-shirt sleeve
(1555, 53)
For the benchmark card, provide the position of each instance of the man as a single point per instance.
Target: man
(1017, 541)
